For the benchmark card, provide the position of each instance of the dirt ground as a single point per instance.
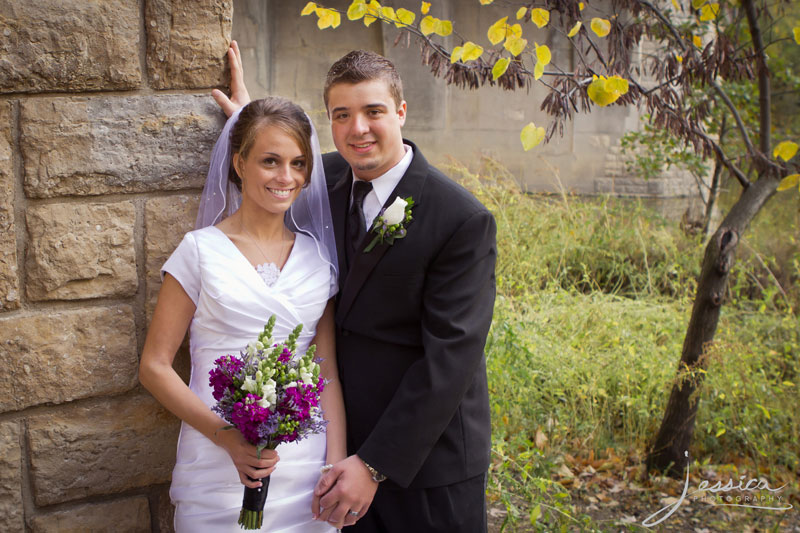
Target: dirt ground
(613, 493)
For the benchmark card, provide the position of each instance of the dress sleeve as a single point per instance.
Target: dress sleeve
(184, 266)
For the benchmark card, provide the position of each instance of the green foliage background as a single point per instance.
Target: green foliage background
(593, 301)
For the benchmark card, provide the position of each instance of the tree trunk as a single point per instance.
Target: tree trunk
(675, 434)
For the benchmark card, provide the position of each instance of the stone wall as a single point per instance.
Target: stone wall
(106, 125)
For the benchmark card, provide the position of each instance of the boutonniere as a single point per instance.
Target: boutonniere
(391, 224)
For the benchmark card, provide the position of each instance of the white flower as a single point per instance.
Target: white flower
(396, 212)
(263, 403)
(250, 385)
(268, 393)
(307, 377)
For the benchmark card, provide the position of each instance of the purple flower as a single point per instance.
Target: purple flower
(221, 376)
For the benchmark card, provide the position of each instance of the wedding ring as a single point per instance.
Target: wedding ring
(325, 469)
(352, 513)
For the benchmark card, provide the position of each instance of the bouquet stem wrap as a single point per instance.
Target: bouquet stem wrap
(252, 514)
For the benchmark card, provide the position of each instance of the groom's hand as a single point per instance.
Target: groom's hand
(346, 489)
(239, 95)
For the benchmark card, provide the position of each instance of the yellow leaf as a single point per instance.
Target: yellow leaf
(357, 10)
(515, 45)
(405, 17)
(698, 42)
(497, 31)
(426, 6)
(443, 27)
(789, 182)
(531, 136)
(310, 8)
(604, 91)
(373, 12)
(617, 84)
(581, 5)
(785, 150)
(536, 513)
(796, 32)
(540, 17)
(697, 3)
(675, 5)
(538, 71)
(601, 27)
(543, 54)
(328, 18)
(471, 51)
(521, 12)
(679, 58)
(458, 51)
(486, 2)
(574, 29)
(514, 32)
(427, 25)
(720, 432)
(500, 67)
(709, 12)
(388, 13)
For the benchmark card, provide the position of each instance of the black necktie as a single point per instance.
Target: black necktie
(355, 221)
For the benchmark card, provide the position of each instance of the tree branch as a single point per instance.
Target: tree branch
(736, 116)
(763, 75)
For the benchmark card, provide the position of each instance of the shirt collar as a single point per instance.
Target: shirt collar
(384, 184)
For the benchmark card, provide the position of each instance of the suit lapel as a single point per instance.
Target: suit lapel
(410, 184)
(339, 198)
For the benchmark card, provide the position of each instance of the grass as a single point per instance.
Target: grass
(593, 302)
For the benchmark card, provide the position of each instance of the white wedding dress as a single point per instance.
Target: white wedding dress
(233, 304)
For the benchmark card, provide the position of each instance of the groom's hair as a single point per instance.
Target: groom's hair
(363, 65)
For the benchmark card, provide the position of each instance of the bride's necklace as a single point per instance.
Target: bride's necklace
(268, 270)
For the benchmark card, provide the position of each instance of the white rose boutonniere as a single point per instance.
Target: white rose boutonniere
(391, 224)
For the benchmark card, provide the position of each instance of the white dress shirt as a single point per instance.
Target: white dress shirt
(382, 187)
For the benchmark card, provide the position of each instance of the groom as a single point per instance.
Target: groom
(411, 317)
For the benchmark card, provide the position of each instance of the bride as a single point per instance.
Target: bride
(262, 247)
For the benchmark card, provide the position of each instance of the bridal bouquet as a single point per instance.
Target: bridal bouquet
(271, 397)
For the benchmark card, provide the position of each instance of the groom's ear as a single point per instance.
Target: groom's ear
(401, 112)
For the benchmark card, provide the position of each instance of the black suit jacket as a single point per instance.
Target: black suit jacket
(412, 320)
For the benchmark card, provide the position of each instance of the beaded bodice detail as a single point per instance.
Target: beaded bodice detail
(269, 272)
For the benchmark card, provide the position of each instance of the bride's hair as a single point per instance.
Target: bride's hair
(271, 111)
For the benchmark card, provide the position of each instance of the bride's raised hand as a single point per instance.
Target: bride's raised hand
(245, 457)
(239, 95)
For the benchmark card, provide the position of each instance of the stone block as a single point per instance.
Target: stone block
(81, 251)
(52, 45)
(187, 42)
(55, 357)
(117, 144)
(166, 221)
(11, 516)
(130, 515)
(100, 448)
(165, 516)
(9, 280)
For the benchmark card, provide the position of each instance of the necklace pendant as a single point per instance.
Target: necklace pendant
(269, 272)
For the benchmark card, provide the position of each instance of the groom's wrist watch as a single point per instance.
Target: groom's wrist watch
(377, 477)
